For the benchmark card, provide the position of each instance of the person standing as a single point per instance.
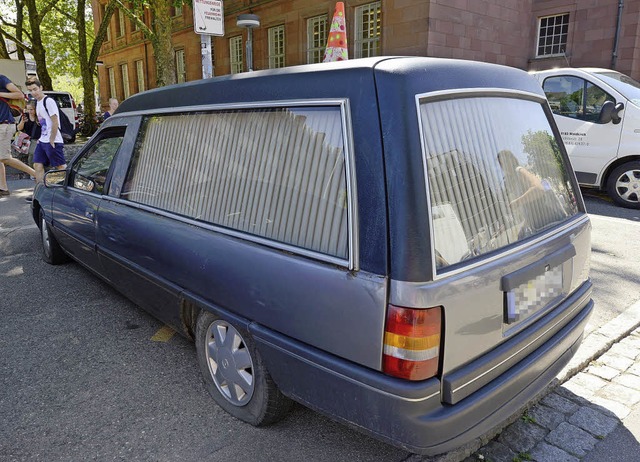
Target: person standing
(50, 148)
(29, 124)
(113, 105)
(8, 91)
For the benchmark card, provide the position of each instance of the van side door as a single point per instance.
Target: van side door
(76, 205)
(576, 103)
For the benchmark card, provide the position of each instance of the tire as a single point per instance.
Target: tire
(52, 253)
(623, 185)
(234, 373)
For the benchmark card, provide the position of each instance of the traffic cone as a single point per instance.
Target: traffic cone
(337, 43)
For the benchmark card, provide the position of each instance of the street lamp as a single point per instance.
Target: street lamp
(249, 21)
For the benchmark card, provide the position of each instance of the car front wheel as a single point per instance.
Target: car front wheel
(623, 185)
(234, 374)
(52, 253)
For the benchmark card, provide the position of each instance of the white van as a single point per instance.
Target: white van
(602, 138)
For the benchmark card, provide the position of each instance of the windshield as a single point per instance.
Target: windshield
(495, 173)
(629, 88)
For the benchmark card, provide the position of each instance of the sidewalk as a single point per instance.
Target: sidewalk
(591, 413)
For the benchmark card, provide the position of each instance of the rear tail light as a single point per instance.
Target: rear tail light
(412, 342)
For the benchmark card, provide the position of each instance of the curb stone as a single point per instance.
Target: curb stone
(561, 412)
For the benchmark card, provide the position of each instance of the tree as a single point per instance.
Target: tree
(159, 34)
(88, 48)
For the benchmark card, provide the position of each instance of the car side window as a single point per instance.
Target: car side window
(89, 173)
(271, 173)
(575, 97)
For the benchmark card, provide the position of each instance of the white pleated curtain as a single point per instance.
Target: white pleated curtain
(474, 191)
(277, 174)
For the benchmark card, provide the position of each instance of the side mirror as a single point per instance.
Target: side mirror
(606, 112)
(616, 113)
(610, 112)
(55, 178)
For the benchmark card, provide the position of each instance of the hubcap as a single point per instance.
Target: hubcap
(45, 237)
(230, 363)
(628, 186)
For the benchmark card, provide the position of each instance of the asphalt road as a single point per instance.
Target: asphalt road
(86, 375)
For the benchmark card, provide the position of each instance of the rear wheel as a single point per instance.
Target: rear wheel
(623, 185)
(234, 374)
(52, 253)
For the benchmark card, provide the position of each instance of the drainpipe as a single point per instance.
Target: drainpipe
(614, 56)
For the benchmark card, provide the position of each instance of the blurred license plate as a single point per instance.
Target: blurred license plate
(533, 296)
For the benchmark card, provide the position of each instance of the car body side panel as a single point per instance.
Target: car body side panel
(320, 304)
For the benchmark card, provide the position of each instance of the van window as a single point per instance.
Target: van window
(495, 175)
(575, 97)
(274, 173)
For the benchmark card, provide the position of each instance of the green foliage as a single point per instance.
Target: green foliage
(527, 418)
(71, 84)
(522, 457)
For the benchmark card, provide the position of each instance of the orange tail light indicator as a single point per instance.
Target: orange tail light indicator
(412, 342)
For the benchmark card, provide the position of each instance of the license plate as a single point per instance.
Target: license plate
(533, 296)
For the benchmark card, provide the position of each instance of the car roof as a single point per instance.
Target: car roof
(338, 80)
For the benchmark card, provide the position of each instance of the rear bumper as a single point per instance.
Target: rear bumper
(411, 415)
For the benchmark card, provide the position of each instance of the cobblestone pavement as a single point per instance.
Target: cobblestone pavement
(589, 400)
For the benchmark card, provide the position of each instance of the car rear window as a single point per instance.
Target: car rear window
(495, 175)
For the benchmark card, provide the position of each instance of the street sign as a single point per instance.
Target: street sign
(208, 17)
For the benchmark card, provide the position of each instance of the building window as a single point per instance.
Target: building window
(124, 70)
(316, 38)
(368, 26)
(181, 67)
(552, 35)
(112, 83)
(102, 14)
(235, 54)
(140, 75)
(119, 23)
(177, 11)
(276, 47)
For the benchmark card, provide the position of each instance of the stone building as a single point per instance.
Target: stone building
(528, 34)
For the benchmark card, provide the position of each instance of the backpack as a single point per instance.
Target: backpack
(65, 125)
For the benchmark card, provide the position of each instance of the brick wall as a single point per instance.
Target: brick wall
(495, 31)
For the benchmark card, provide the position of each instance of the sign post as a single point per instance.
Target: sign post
(208, 20)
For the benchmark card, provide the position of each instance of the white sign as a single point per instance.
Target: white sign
(208, 17)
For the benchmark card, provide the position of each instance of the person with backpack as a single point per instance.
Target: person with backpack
(50, 148)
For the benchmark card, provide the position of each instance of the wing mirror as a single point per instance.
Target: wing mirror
(610, 112)
(616, 113)
(55, 178)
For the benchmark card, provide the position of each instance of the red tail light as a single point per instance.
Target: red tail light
(412, 342)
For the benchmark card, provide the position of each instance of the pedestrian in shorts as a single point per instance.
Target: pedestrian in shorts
(8, 90)
(50, 149)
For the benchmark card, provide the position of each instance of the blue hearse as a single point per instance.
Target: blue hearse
(398, 242)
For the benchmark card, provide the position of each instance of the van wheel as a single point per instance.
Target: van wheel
(52, 253)
(234, 373)
(623, 185)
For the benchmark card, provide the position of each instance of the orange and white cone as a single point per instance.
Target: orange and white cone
(337, 43)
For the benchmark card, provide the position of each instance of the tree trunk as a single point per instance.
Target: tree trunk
(162, 44)
(37, 47)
